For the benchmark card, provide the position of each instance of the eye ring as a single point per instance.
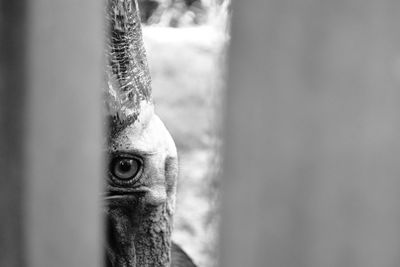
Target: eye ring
(125, 169)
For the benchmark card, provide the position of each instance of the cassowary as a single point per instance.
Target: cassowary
(142, 158)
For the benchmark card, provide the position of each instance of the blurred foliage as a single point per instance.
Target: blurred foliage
(177, 13)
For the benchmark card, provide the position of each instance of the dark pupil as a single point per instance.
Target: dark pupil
(125, 165)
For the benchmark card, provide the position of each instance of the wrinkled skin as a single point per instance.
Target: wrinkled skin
(139, 211)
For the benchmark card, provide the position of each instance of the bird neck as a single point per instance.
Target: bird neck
(140, 238)
(153, 239)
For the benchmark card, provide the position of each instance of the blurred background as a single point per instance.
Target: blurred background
(186, 45)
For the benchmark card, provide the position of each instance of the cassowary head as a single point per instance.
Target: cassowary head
(142, 157)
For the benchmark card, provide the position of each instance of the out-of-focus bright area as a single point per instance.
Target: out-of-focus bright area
(186, 45)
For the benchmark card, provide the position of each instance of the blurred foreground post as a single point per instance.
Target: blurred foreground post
(50, 146)
(312, 173)
(64, 174)
(12, 109)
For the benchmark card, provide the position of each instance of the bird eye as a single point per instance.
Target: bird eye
(125, 168)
